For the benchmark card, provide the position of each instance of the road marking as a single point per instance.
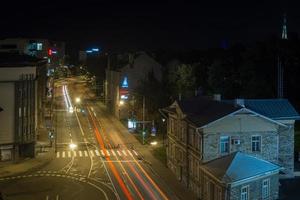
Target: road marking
(63, 154)
(124, 152)
(102, 153)
(69, 154)
(57, 154)
(47, 197)
(107, 152)
(113, 152)
(97, 153)
(57, 197)
(135, 152)
(74, 152)
(129, 152)
(91, 152)
(80, 154)
(86, 154)
(119, 153)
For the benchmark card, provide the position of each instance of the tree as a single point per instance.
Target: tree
(182, 80)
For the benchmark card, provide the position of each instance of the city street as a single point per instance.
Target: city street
(92, 158)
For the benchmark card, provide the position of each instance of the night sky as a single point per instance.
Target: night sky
(147, 25)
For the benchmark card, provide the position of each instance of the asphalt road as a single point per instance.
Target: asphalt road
(103, 165)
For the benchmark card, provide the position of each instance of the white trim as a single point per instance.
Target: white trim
(260, 143)
(247, 191)
(240, 110)
(269, 187)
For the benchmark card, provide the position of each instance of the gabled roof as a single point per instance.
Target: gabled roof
(275, 109)
(239, 166)
(203, 110)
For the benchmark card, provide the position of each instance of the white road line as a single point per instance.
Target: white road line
(91, 152)
(107, 152)
(74, 153)
(47, 197)
(63, 154)
(80, 154)
(69, 154)
(119, 153)
(97, 153)
(129, 152)
(57, 197)
(86, 154)
(124, 152)
(135, 152)
(57, 154)
(102, 153)
(113, 152)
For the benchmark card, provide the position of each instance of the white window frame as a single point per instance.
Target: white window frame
(245, 195)
(221, 144)
(260, 141)
(265, 194)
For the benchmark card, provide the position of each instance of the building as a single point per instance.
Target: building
(128, 71)
(53, 51)
(203, 133)
(23, 91)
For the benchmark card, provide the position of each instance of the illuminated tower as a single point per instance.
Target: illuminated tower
(280, 64)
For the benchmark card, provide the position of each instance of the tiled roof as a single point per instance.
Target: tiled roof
(272, 108)
(239, 166)
(203, 110)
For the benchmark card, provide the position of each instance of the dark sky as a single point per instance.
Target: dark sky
(113, 25)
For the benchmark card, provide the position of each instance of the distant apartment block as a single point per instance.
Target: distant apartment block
(22, 91)
(231, 149)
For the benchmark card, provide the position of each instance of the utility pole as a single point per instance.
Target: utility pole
(144, 133)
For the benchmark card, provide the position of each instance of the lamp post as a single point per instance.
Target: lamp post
(144, 133)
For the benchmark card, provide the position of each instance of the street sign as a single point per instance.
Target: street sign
(153, 131)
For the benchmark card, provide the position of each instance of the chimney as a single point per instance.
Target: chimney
(217, 97)
(240, 102)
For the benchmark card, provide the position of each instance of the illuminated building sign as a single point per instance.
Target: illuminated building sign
(50, 52)
(125, 83)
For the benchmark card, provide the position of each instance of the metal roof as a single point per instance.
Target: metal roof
(239, 166)
(275, 109)
(203, 110)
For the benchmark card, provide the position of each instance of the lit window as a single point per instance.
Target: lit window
(266, 189)
(256, 143)
(39, 46)
(245, 193)
(224, 144)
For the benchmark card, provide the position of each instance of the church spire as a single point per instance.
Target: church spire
(284, 28)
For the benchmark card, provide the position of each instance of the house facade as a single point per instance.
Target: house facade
(202, 130)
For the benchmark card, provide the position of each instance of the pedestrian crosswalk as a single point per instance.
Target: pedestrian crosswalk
(95, 153)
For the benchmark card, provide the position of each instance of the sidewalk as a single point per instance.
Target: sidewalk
(157, 167)
(30, 164)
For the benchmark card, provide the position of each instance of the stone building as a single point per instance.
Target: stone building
(202, 131)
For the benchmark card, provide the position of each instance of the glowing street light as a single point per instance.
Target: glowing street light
(77, 100)
(72, 146)
(121, 102)
(153, 143)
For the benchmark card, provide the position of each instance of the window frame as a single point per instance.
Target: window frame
(263, 187)
(247, 193)
(222, 142)
(256, 141)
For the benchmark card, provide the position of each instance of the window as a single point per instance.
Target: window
(256, 143)
(266, 189)
(245, 193)
(224, 144)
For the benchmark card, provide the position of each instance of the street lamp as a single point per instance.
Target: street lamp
(77, 100)
(121, 102)
(72, 146)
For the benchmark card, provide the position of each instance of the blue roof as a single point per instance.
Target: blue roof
(239, 166)
(275, 109)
